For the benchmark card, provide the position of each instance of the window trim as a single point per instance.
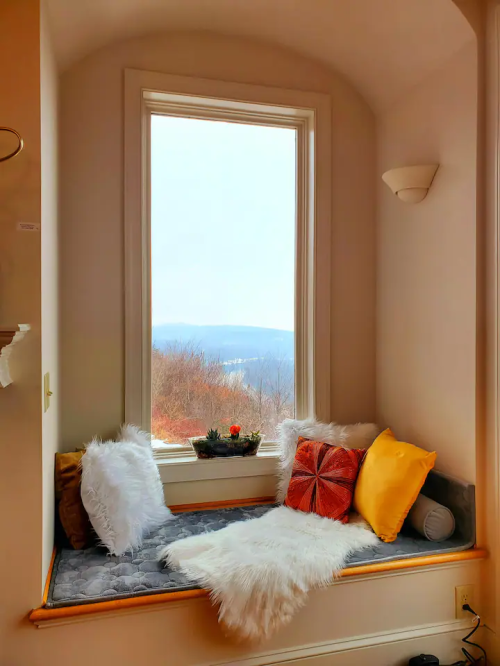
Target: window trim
(153, 92)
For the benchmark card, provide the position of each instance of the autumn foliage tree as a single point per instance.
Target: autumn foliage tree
(192, 393)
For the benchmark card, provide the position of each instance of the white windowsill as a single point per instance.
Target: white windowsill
(185, 466)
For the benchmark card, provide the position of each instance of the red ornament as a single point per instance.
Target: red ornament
(323, 479)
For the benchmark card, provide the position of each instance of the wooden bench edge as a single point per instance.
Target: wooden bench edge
(40, 615)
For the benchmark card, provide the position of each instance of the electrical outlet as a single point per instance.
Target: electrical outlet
(464, 594)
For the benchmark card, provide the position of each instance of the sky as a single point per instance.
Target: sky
(222, 223)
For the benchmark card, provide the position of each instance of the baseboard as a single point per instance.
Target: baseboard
(223, 504)
(359, 650)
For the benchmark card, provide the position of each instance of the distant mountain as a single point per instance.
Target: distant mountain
(228, 343)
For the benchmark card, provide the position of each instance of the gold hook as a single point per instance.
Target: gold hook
(19, 147)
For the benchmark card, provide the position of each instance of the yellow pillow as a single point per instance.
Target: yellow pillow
(389, 482)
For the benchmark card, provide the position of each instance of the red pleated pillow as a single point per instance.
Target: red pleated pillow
(323, 479)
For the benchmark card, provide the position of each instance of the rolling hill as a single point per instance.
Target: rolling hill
(228, 343)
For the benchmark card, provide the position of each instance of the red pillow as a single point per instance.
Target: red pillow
(323, 479)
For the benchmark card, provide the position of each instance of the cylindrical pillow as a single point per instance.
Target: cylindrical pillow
(432, 520)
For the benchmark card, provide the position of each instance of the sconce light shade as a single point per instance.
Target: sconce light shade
(411, 184)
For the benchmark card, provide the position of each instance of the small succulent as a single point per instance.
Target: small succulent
(255, 436)
(213, 435)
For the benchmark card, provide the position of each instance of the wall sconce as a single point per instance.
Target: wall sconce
(411, 184)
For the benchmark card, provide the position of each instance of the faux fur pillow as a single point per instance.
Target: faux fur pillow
(122, 490)
(358, 436)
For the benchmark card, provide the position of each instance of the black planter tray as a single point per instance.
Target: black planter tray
(225, 447)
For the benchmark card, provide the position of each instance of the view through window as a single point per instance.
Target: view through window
(223, 210)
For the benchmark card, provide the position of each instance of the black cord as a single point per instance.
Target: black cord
(467, 654)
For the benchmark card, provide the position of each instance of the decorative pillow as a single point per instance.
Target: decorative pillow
(357, 436)
(434, 521)
(389, 482)
(74, 519)
(122, 490)
(323, 479)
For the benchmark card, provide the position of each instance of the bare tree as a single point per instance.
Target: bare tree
(192, 392)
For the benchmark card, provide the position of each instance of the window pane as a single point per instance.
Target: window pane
(223, 209)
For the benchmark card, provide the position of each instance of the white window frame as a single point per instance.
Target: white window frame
(148, 93)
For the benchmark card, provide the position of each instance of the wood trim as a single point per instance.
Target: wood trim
(414, 562)
(348, 649)
(222, 504)
(41, 615)
(310, 113)
(49, 576)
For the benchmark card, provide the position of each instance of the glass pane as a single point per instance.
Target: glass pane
(223, 215)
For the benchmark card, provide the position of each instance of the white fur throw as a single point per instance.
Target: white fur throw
(122, 490)
(261, 570)
(358, 436)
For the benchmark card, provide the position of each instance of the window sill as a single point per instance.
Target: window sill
(185, 466)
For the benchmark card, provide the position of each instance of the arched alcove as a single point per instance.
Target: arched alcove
(376, 45)
(92, 162)
(370, 69)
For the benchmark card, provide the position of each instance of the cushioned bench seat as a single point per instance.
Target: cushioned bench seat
(91, 575)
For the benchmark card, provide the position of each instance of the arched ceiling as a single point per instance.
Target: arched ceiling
(383, 47)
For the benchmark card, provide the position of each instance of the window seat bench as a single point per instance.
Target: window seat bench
(88, 581)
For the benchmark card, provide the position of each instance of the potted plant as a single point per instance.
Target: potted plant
(215, 445)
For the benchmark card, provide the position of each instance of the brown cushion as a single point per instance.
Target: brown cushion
(72, 514)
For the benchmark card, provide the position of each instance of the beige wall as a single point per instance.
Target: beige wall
(92, 218)
(20, 302)
(28, 294)
(50, 285)
(426, 269)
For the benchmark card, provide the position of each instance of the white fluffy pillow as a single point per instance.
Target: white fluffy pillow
(122, 490)
(358, 436)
